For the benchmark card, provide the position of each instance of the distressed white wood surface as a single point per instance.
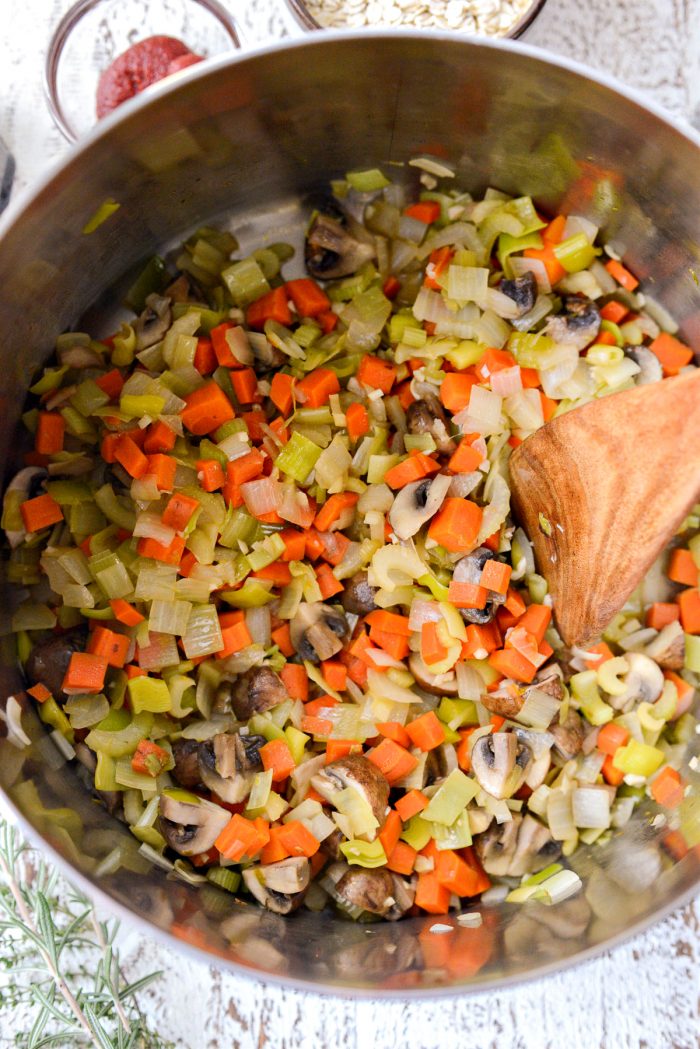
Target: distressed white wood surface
(643, 995)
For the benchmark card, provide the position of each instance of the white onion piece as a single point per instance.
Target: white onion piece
(258, 623)
(579, 224)
(12, 716)
(261, 497)
(462, 485)
(520, 266)
(507, 381)
(423, 612)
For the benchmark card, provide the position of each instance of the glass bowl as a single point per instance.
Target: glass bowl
(93, 33)
(473, 17)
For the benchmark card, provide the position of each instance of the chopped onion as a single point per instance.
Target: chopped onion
(294, 506)
(539, 311)
(507, 382)
(590, 807)
(261, 497)
(423, 612)
(463, 485)
(12, 716)
(502, 305)
(258, 621)
(579, 224)
(483, 413)
(560, 815)
(150, 526)
(161, 652)
(520, 265)
(492, 330)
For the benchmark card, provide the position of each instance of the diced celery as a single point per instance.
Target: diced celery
(88, 397)
(224, 878)
(105, 773)
(378, 467)
(457, 835)
(245, 281)
(368, 181)
(169, 617)
(575, 253)
(203, 634)
(114, 509)
(124, 344)
(135, 406)
(51, 379)
(298, 457)
(265, 552)
(152, 278)
(417, 832)
(69, 493)
(263, 726)
(126, 777)
(465, 354)
(51, 714)
(253, 594)
(78, 426)
(457, 712)
(296, 742)
(364, 853)
(508, 245)
(585, 689)
(692, 653)
(638, 759)
(149, 694)
(451, 798)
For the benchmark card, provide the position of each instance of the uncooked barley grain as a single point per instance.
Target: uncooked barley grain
(486, 17)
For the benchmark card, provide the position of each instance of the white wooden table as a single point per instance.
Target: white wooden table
(643, 995)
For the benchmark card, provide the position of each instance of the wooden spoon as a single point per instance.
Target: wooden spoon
(601, 490)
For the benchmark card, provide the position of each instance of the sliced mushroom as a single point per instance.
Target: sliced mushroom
(668, 649)
(330, 846)
(151, 325)
(468, 570)
(227, 764)
(568, 735)
(357, 772)
(191, 827)
(416, 503)
(358, 595)
(523, 845)
(506, 702)
(317, 631)
(651, 370)
(49, 659)
(522, 290)
(577, 325)
(29, 482)
(336, 245)
(644, 682)
(280, 887)
(435, 684)
(427, 416)
(375, 891)
(439, 763)
(186, 756)
(266, 357)
(500, 762)
(182, 290)
(256, 691)
(549, 680)
(78, 356)
(537, 773)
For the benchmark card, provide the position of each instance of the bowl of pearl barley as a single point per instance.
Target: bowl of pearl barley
(493, 18)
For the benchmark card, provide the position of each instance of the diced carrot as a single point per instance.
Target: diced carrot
(334, 674)
(493, 360)
(210, 474)
(39, 692)
(178, 513)
(510, 663)
(393, 644)
(682, 568)
(206, 409)
(411, 804)
(464, 759)
(282, 392)
(601, 650)
(426, 732)
(163, 468)
(298, 839)
(402, 858)
(426, 211)
(294, 544)
(376, 373)
(554, 268)
(169, 555)
(610, 737)
(272, 306)
(50, 430)
(205, 360)
(281, 637)
(391, 287)
(107, 446)
(431, 646)
(456, 875)
(131, 670)
(278, 573)
(431, 896)
(468, 595)
(328, 584)
(128, 454)
(438, 262)
(549, 407)
(274, 851)
(315, 388)
(394, 730)
(456, 525)
(392, 760)
(149, 759)
(606, 338)
(535, 620)
(242, 837)
(613, 311)
(530, 378)
(689, 604)
(85, 673)
(672, 353)
(496, 576)
(125, 613)
(456, 390)
(309, 299)
(667, 788)
(611, 775)
(357, 420)
(413, 468)
(277, 756)
(554, 232)
(660, 614)
(340, 748)
(246, 467)
(335, 545)
(621, 274)
(111, 383)
(328, 321)
(388, 621)
(685, 692)
(480, 641)
(404, 394)
(333, 508)
(105, 642)
(159, 438)
(40, 512)
(245, 385)
(235, 634)
(390, 832)
(316, 726)
(296, 681)
(466, 459)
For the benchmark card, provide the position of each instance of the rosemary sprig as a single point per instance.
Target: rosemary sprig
(62, 964)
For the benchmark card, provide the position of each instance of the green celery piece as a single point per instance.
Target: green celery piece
(149, 694)
(364, 853)
(153, 278)
(368, 181)
(298, 457)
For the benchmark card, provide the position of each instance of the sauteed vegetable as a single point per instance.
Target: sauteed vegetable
(268, 589)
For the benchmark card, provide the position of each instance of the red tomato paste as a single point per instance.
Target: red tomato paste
(141, 65)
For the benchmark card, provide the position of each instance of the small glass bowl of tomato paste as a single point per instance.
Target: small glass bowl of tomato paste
(142, 40)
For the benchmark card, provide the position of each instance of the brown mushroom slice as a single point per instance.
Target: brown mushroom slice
(49, 659)
(577, 325)
(152, 324)
(186, 757)
(227, 764)
(357, 772)
(523, 845)
(435, 684)
(522, 290)
(506, 702)
(317, 631)
(256, 691)
(371, 890)
(190, 825)
(568, 735)
(279, 887)
(644, 682)
(549, 680)
(668, 648)
(358, 596)
(336, 246)
(468, 570)
(427, 416)
(649, 364)
(500, 762)
(416, 503)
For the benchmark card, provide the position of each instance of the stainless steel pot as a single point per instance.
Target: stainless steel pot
(246, 140)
